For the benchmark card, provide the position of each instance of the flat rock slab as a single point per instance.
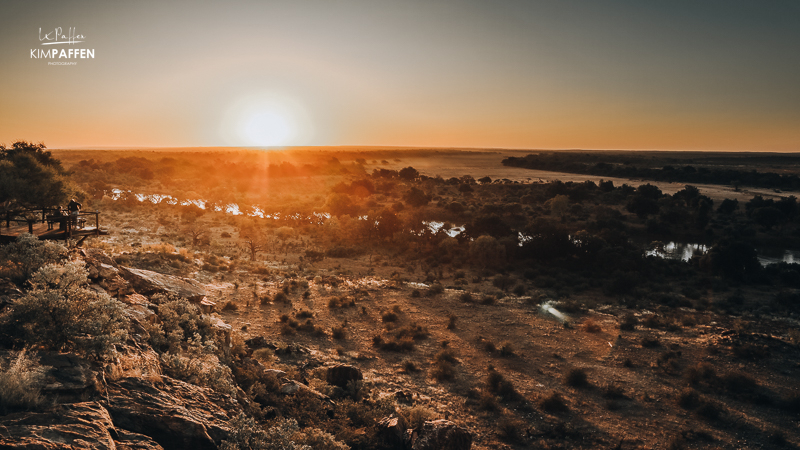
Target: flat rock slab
(148, 282)
(173, 413)
(70, 426)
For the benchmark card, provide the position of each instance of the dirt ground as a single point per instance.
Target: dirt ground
(630, 398)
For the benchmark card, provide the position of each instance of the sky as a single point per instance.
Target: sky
(530, 74)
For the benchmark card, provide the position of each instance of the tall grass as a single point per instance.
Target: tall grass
(21, 384)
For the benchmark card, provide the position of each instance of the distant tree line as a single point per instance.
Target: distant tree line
(554, 162)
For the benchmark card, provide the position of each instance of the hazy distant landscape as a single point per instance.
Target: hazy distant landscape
(338, 296)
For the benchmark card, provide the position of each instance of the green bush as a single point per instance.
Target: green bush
(20, 259)
(60, 312)
(246, 434)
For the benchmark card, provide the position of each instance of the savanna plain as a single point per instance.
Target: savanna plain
(387, 298)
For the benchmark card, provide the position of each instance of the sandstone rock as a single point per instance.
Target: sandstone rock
(341, 374)
(222, 328)
(141, 313)
(132, 361)
(107, 271)
(275, 372)
(128, 440)
(68, 426)
(291, 387)
(136, 299)
(392, 430)
(99, 256)
(440, 435)
(259, 342)
(148, 283)
(68, 377)
(207, 306)
(173, 413)
(116, 286)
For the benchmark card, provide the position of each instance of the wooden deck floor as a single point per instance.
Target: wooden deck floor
(40, 230)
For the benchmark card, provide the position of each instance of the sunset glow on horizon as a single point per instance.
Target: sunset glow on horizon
(712, 75)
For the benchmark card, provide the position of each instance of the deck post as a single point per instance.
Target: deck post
(97, 223)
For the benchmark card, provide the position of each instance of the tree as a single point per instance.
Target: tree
(732, 259)
(253, 239)
(559, 205)
(388, 224)
(30, 178)
(486, 251)
(409, 173)
(416, 197)
(728, 206)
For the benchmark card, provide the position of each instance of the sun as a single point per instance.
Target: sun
(266, 120)
(268, 127)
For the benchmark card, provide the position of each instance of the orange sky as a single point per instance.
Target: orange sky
(713, 75)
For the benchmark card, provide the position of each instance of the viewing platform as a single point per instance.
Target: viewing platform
(47, 226)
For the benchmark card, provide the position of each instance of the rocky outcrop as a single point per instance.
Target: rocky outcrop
(85, 425)
(128, 440)
(292, 387)
(95, 254)
(440, 435)
(392, 430)
(341, 374)
(433, 435)
(175, 414)
(148, 282)
(68, 377)
(70, 426)
(116, 286)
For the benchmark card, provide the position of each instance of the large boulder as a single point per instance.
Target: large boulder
(68, 426)
(392, 430)
(341, 374)
(173, 413)
(148, 282)
(440, 435)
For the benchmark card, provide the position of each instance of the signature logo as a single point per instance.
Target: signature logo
(57, 37)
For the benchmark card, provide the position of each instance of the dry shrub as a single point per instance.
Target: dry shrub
(650, 342)
(451, 324)
(416, 416)
(577, 378)
(591, 326)
(629, 322)
(488, 402)
(21, 384)
(341, 302)
(488, 300)
(553, 403)
(499, 385)
(506, 348)
(443, 371)
(389, 316)
(339, 332)
(510, 429)
(230, 306)
(409, 366)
